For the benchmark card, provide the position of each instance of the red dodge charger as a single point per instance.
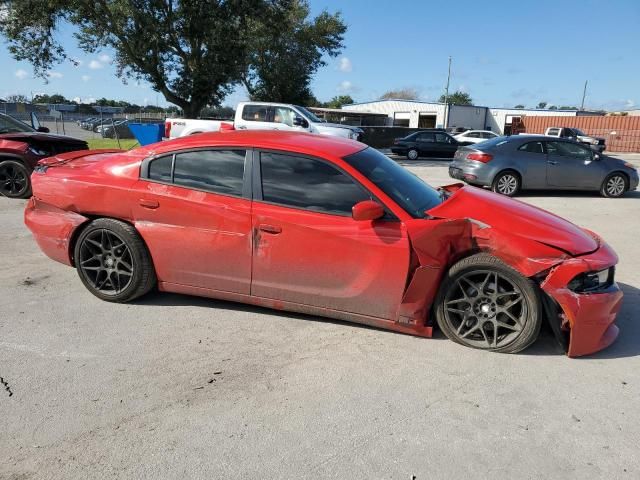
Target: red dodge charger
(325, 226)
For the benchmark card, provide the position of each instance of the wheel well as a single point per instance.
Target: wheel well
(505, 171)
(624, 174)
(4, 158)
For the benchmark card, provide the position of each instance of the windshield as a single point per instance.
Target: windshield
(407, 190)
(309, 115)
(11, 125)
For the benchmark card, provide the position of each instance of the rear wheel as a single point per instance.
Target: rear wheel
(614, 186)
(485, 304)
(14, 180)
(506, 183)
(113, 262)
(412, 154)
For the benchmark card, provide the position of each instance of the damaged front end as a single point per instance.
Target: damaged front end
(580, 301)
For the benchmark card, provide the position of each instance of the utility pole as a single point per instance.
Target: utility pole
(584, 94)
(446, 97)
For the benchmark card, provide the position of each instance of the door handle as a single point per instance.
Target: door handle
(273, 229)
(151, 204)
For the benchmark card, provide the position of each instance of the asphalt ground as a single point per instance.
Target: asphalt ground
(175, 386)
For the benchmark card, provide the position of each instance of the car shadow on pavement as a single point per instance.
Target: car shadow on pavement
(626, 345)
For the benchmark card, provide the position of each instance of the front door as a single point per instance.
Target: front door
(308, 249)
(571, 165)
(194, 214)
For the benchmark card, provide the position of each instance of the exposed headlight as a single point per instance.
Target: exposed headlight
(38, 151)
(590, 282)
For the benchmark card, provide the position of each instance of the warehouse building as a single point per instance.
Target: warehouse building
(415, 114)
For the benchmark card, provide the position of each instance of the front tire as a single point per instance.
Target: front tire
(506, 183)
(485, 304)
(614, 186)
(413, 154)
(15, 181)
(113, 262)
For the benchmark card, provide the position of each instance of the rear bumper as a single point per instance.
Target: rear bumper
(476, 173)
(52, 228)
(588, 317)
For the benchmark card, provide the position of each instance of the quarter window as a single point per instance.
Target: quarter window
(160, 169)
(255, 113)
(532, 147)
(309, 184)
(218, 171)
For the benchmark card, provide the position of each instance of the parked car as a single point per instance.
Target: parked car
(264, 116)
(474, 136)
(21, 147)
(521, 162)
(596, 143)
(326, 226)
(121, 127)
(426, 143)
(87, 122)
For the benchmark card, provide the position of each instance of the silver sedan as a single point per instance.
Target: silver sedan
(520, 162)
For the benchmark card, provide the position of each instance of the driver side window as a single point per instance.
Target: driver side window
(572, 150)
(283, 115)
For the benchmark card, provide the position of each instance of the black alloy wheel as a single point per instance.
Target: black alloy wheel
(14, 180)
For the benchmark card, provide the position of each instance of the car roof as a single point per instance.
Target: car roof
(299, 142)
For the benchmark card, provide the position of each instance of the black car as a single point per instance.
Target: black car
(426, 143)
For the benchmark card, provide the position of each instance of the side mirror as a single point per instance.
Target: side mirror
(300, 122)
(43, 129)
(367, 210)
(596, 156)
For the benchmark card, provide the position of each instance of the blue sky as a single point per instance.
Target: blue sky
(504, 53)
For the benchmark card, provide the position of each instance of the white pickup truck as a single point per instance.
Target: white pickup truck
(263, 116)
(596, 143)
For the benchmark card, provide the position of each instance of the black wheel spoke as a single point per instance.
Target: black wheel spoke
(106, 262)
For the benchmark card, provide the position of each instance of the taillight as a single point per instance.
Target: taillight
(167, 128)
(480, 157)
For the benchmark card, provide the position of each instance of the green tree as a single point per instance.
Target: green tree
(552, 107)
(17, 98)
(519, 106)
(52, 99)
(542, 105)
(457, 98)
(192, 51)
(405, 93)
(336, 102)
(286, 54)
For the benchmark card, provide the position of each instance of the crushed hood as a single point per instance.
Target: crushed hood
(515, 218)
(41, 137)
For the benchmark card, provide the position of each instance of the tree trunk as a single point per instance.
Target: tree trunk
(191, 109)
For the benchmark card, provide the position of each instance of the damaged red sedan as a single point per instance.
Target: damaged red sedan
(325, 226)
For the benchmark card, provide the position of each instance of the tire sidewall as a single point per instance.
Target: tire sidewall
(529, 291)
(20, 166)
(139, 258)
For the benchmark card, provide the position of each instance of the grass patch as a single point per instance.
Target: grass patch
(125, 144)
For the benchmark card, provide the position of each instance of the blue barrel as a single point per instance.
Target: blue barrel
(147, 133)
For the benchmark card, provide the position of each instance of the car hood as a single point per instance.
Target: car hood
(329, 126)
(41, 137)
(515, 218)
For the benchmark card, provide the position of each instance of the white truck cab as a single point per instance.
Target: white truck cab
(264, 116)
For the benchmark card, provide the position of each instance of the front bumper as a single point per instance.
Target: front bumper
(588, 318)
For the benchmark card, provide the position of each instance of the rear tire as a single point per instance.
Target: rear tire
(483, 303)
(506, 183)
(614, 186)
(113, 261)
(413, 154)
(15, 181)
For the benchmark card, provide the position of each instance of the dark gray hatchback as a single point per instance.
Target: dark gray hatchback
(521, 162)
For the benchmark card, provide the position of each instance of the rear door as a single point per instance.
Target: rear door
(531, 160)
(446, 145)
(308, 249)
(193, 209)
(572, 165)
(426, 143)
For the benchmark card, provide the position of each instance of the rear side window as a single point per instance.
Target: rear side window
(308, 184)
(553, 131)
(217, 171)
(160, 169)
(255, 113)
(532, 147)
(443, 138)
(425, 137)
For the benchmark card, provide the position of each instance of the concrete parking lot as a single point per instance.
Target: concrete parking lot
(182, 387)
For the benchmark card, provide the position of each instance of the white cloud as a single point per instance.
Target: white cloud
(345, 86)
(85, 78)
(629, 104)
(104, 58)
(345, 65)
(95, 65)
(21, 74)
(53, 74)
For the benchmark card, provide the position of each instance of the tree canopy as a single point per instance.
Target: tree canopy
(192, 51)
(405, 93)
(457, 98)
(336, 102)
